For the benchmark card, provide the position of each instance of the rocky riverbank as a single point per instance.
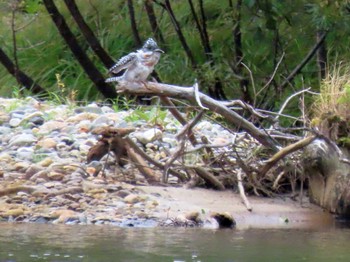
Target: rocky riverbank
(44, 177)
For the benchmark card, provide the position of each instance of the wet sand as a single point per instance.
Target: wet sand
(281, 212)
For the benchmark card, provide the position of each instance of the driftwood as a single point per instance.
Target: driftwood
(111, 140)
(210, 103)
(242, 192)
(147, 172)
(284, 152)
(239, 164)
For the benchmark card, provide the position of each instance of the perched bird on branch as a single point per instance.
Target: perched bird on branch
(137, 65)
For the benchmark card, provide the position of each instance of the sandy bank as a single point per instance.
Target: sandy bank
(267, 212)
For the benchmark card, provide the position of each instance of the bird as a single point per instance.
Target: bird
(137, 65)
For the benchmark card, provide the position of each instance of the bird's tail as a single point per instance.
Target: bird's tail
(113, 79)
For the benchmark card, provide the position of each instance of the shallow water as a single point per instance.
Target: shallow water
(36, 242)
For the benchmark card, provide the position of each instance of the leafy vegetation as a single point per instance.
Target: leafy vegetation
(275, 38)
(331, 110)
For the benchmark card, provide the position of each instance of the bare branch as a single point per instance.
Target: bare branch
(307, 58)
(287, 101)
(284, 152)
(212, 104)
(251, 79)
(272, 76)
(166, 101)
(241, 191)
(209, 178)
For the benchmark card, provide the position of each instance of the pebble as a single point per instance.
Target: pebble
(22, 140)
(44, 146)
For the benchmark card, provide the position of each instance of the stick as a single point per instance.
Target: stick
(151, 160)
(242, 192)
(142, 166)
(285, 151)
(176, 113)
(212, 104)
(196, 95)
(209, 178)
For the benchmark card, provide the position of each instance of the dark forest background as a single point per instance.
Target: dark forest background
(260, 51)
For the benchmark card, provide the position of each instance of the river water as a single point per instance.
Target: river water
(56, 243)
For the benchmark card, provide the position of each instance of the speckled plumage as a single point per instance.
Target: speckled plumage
(137, 65)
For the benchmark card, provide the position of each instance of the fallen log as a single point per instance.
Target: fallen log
(187, 93)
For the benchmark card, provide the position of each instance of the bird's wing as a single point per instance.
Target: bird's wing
(123, 63)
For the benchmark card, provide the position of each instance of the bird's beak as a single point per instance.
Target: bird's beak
(159, 50)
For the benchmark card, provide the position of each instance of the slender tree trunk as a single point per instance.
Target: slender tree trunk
(322, 56)
(206, 42)
(89, 68)
(167, 6)
(153, 21)
(14, 41)
(89, 34)
(21, 77)
(134, 29)
(321, 38)
(217, 91)
(237, 36)
(207, 48)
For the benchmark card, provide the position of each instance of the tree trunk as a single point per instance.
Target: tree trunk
(238, 67)
(135, 32)
(322, 56)
(21, 77)
(321, 38)
(89, 34)
(89, 68)
(153, 22)
(215, 91)
(167, 6)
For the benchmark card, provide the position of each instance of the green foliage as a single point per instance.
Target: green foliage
(344, 142)
(31, 6)
(155, 116)
(269, 28)
(345, 98)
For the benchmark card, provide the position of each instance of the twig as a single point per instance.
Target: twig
(185, 130)
(180, 149)
(252, 79)
(284, 152)
(176, 113)
(199, 147)
(242, 192)
(177, 153)
(196, 95)
(287, 101)
(277, 180)
(151, 160)
(273, 75)
(246, 106)
(16, 189)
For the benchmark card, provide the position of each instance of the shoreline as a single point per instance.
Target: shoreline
(45, 177)
(267, 213)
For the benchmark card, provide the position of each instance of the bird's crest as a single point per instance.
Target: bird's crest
(150, 45)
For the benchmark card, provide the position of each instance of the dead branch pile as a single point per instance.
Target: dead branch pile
(260, 161)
